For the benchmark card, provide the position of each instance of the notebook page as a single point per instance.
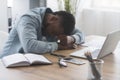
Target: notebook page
(14, 60)
(34, 58)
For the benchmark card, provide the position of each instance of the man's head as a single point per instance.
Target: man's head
(60, 23)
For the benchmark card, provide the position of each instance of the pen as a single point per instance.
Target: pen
(95, 72)
(58, 55)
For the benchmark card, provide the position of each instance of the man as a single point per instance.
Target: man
(41, 30)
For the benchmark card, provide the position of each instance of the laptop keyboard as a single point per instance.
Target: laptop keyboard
(80, 53)
(95, 53)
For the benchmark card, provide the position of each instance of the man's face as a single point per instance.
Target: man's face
(54, 28)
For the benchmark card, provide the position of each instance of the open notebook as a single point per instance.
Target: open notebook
(27, 59)
(100, 49)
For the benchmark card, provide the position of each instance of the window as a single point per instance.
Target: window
(9, 3)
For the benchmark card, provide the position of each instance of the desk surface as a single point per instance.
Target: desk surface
(111, 69)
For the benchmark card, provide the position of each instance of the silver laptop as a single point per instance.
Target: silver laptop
(107, 47)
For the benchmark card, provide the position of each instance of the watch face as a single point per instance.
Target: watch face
(58, 41)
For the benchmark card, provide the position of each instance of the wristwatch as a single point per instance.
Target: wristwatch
(58, 41)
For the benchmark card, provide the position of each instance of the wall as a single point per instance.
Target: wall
(22, 6)
(34, 3)
(3, 16)
(19, 8)
(37, 3)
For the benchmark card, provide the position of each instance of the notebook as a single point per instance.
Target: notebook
(27, 59)
(107, 46)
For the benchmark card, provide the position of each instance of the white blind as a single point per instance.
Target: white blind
(109, 4)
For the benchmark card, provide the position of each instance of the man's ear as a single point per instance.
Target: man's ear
(52, 18)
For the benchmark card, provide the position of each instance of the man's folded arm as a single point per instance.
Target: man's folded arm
(27, 31)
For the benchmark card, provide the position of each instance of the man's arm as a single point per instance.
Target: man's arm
(27, 31)
(70, 41)
(78, 36)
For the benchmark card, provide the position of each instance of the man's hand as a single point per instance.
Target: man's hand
(62, 39)
(66, 42)
(70, 40)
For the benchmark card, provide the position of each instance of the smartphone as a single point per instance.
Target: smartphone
(75, 61)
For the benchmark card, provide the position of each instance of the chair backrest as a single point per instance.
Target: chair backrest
(3, 38)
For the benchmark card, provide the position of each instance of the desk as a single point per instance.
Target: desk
(111, 69)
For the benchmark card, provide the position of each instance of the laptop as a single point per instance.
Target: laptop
(107, 47)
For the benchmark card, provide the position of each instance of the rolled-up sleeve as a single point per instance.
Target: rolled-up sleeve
(79, 36)
(27, 32)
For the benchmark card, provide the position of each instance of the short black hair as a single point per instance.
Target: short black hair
(67, 21)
